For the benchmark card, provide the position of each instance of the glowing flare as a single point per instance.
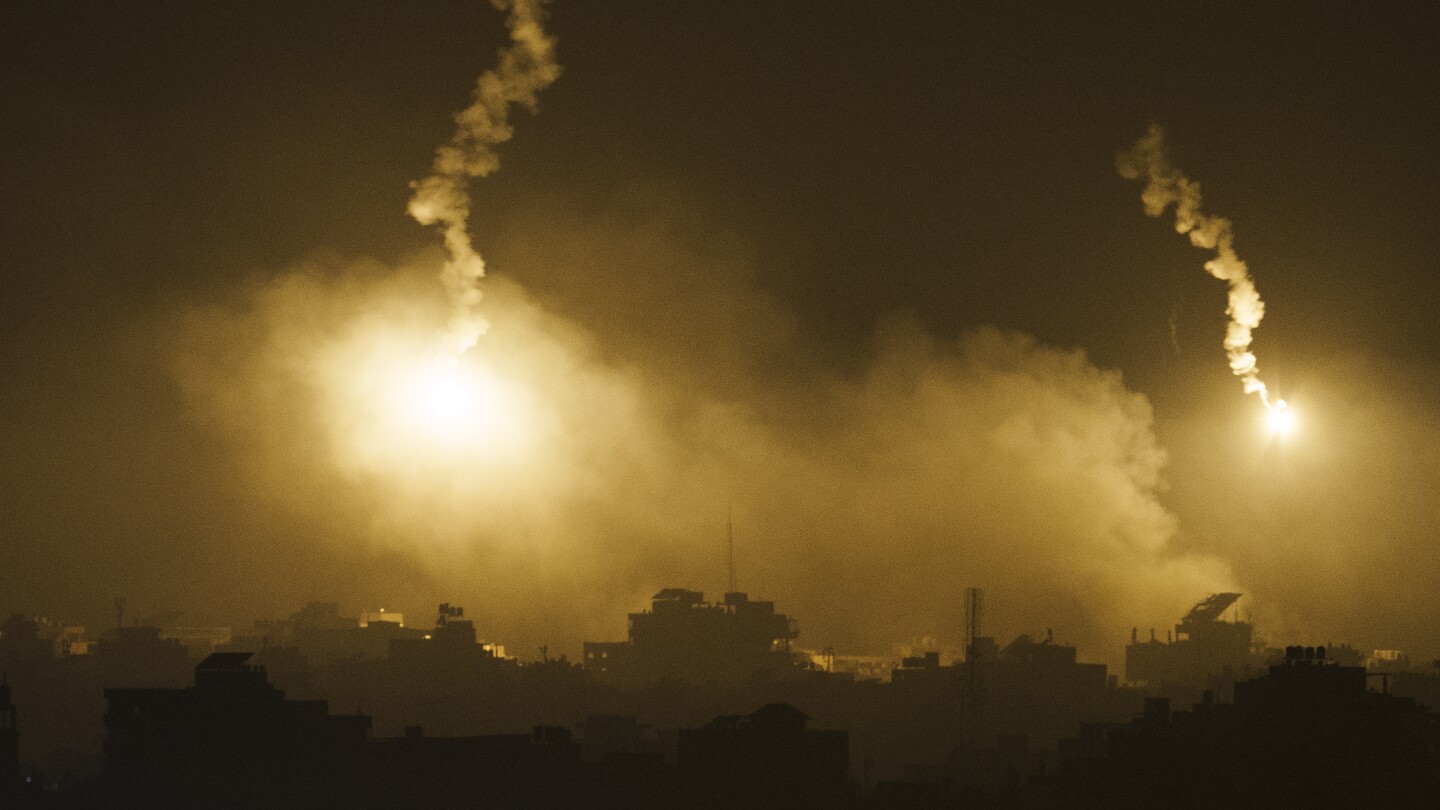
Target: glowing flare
(1280, 420)
(441, 407)
(445, 398)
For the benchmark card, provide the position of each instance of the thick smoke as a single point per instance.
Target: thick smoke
(864, 504)
(1165, 185)
(526, 67)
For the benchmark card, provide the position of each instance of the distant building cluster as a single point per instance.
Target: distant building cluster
(704, 704)
(683, 638)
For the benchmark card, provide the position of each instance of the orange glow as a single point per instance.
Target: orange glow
(1280, 420)
(397, 405)
(445, 405)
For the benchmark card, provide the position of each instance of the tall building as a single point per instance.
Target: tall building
(683, 638)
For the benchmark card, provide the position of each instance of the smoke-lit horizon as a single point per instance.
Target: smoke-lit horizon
(864, 510)
(851, 281)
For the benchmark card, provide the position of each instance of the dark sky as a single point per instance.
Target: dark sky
(949, 165)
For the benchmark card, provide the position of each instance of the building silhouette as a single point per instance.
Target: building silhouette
(1204, 652)
(769, 758)
(137, 656)
(452, 646)
(21, 641)
(322, 634)
(685, 639)
(976, 723)
(1307, 733)
(667, 719)
(9, 740)
(537, 770)
(231, 740)
(234, 741)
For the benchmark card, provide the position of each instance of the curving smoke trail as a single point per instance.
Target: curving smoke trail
(1164, 185)
(526, 67)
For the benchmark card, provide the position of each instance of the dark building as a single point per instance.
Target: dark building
(21, 642)
(537, 770)
(1019, 686)
(231, 740)
(1307, 733)
(1423, 686)
(974, 723)
(1206, 652)
(1027, 664)
(685, 639)
(603, 736)
(9, 740)
(446, 654)
(769, 758)
(322, 635)
(138, 657)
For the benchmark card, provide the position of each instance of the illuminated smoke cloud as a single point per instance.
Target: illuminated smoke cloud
(864, 502)
(526, 67)
(1164, 185)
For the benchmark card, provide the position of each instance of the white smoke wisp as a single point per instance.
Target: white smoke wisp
(1164, 185)
(526, 67)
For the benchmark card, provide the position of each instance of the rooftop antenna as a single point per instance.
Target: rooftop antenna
(974, 697)
(730, 546)
(974, 612)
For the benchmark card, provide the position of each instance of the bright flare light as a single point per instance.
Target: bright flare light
(457, 406)
(444, 397)
(1280, 419)
(393, 403)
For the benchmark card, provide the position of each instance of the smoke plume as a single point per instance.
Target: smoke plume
(1164, 185)
(526, 67)
(864, 500)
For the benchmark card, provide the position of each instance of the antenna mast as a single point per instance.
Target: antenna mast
(974, 698)
(730, 546)
(974, 611)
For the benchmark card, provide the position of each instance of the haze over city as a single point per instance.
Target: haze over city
(862, 281)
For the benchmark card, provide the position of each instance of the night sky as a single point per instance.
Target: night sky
(863, 274)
